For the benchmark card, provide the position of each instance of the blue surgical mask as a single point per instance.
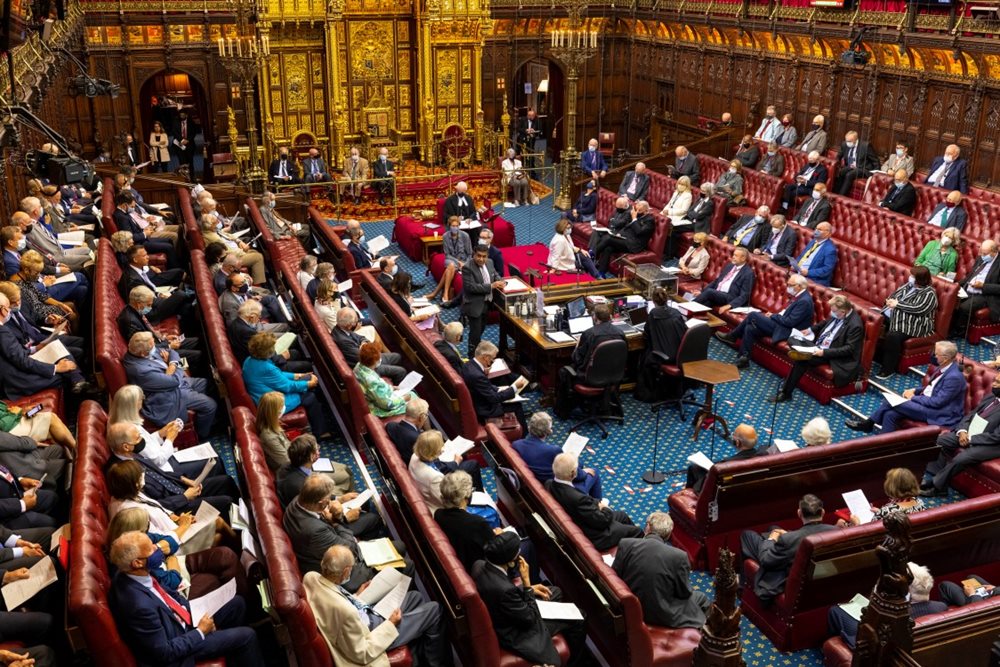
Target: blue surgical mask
(395, 270)
(771, 153)
(21, 244)
(912, 280)
(454, 231)
(272, 204)
(900, 152)
(835, 315)
(146, 310)
(155, 560)
(758, 219)
(816, 234)
(900, 184)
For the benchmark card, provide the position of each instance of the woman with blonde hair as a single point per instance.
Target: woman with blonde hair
(902, 490)
(159, 148)
(34, 289)
(730, 184)
(695, 260)
(940, 256)
(328, 303)
(680, 202)
(273, 439)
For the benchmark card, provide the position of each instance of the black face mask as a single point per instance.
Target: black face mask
(138, 446)
(996, 391)
(815, 126)
(695, 245)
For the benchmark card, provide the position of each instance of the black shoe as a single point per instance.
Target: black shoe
(864, 425)
(83, 387)
(451, 303)
(780, 397)
(926, 484)
(933, 492)
(725, 337)
(416, 286)
(742, 361)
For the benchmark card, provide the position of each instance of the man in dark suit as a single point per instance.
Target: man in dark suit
(384, 176)
(950, 171)
(134, 318)
(242, 328)
(179, 302)
(604, 527)
(21, 375)
(28, 335)
(479, 278)
(982, 284)
(745, 442)
(447, 345)
(461, 204)
(778, 243)
(744, 231)
(529, 129)
(592, 161)
(283, 170)
(686, 165)
(797, 315)
(128, 218)
(518, 624)
(349, 343)
(901, 196)
(632, 236)
(156, 622)
(811, 173)
(489, 401)
(940, 403)
(856, 159)
(635, 185)
(816, 210)
(659, 574)
(772, 162)
(539, 455)
(839, 339)
(732, 287)
(183, 145)
(966, 445)
(950, 212)
(314, 168)
(24, 504)
(603, 330)
(386, 272)
(404, 433)
(700, 214)
(775, 550)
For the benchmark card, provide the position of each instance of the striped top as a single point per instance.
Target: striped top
(914, 315)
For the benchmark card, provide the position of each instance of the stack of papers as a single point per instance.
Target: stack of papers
(72, 238)
(66, 278)
(498, 368)
(804, 349)
(379, 552)
(284, 342)
(559, 336)
(51, 353)
(514, 285)
(386, 591)
(41, 574)
(203, 520)
(559, 611)
(693, 307)
(457, 446)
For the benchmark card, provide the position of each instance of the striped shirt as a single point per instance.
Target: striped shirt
(914, 315)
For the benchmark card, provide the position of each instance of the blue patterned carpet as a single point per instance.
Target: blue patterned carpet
(628, 450)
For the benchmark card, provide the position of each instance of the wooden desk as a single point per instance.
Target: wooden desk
(710, 372)
(427, 243)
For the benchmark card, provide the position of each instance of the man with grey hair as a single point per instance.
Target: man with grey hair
(539, 456)
(940, 402)
(685, 164)
(461, 204)
(349, 342)
(134, 318)
(495, 256)
(447, 345)
(732, 287)
(487, 399)
(798, 314)
(811, 173)
(817, 432)
(279, 226)
(602, 525)
(357, 634)
(384, 172)
(660, 576)
(247, 323)
(635, 184)
(156, 622)
(628, 235)
(515, 178)
(355, 173)
(778, 242)
(404, 433)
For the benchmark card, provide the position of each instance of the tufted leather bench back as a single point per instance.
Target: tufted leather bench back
(110, 346)
(192, 230)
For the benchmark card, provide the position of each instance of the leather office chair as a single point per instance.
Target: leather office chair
(600, 383)
(693, 347)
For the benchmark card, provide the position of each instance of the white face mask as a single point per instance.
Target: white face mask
(900, 152)
(912, 280)
(790, 290)
(732, 170)
(946, 241)
(948, 158)
(850, 144)
(816, 194)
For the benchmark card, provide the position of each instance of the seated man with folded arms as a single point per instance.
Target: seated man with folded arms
(539, 455)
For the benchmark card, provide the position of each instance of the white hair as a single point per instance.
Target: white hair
(817, 432)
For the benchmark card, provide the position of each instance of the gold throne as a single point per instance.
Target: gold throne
(376, 128)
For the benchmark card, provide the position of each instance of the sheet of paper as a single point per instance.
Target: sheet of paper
(552, 310)
(692, 323)
(409, 383)
(377, 552)
(51, 353)
(962, 294)
(892, 398)
(855, 606)
(86, 228)
(72, 238)
(63, 531)
(240, 233)
(284, 308)
(575, 443)
(165, 290)
(198, 453)
(745, 309)
(559, 611)
(381, 584)
(499, 367)
(378, 244)
(41, 574)
(208, 604)
(345, 286)
(204, 519)
(427, 311)
(693, 307)
(609, 559)
(322, 464)
(859, 505)
(977, 426)
(284, 342)
(246, 540)
(805, 334)
(482, 500)
(457, 446)
(559, 336)
(393, 599)
(781, 445)
(238, 517)
(65, 278)
(209, 464)
(806, 349)
(700, 460)
(358, 502)
(368, 333)
(514, 285)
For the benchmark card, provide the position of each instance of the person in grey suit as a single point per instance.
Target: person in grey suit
(349, 343)
(659, 575)
(635, 184)
(238, 291)
(44, 241)
(280, 227)
(23, 457)
(478, 280)
(775, 550)
(314, 168)
(815, 138)
(685, 165)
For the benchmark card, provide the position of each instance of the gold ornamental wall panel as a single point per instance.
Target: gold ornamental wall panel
(371, 49)
(296, 89)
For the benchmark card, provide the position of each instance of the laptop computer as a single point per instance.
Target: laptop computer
(577, 325)
(577, 308)
(637, 317)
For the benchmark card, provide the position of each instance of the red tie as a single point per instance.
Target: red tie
(175, 606)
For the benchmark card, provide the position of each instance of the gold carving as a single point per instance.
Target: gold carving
(446, 67)
(371, 49)
(296, 87)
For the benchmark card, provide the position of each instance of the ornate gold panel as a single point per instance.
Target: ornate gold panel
(403, 31)
(319, 99)
(296, 84)
(446, 67)
(371, 47)
(403, 57)
(404, 97)
(276, 104)
(466, 64)
(442, 118)
(466, 93)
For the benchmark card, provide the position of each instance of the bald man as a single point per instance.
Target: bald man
(950, 171)
(635, 184)
(745, 441)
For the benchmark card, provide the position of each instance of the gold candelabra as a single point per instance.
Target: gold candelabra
(572, 47)
(243, 56)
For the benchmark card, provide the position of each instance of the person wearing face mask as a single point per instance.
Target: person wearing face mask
(457, 249)
(730, 183)
(909, 313)
(250, 258)
(592, 161)
(815, 138)
(811, 173)
(769, 126)
(950, 212)
(15, 245)
(695, 260)
(685, 164)
(183, 146)
(138, 315)
(855, 160)
(818, 260)
(900, 158)
(702, 210)
(40, 237)
(940, 256)
(732, 287)
(772, 162)
(280, 227)
(950, 171)
(838, 339)
(744, 231)
(635, 183)
(939, 402)
(679, 203)
(816, 209)
(797, 315)
(975, 440)
(25, 326)
(247, 323)
(384, 173)
(128, 218)
(349, 342)
(748, 152)
(314, 168)
(495, 256)
(307, 271)
(982, 286)
(585, 209)
(356, 173)
(901, 196)
(564, 255)
(515, 178)
(778, 243)
(787, 136)
(283, 170)
(387, 270)
(238, 291)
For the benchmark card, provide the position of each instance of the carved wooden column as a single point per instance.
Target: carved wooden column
(720, 638)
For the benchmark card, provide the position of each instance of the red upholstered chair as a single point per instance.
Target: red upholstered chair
(599, 384)
(693, 347)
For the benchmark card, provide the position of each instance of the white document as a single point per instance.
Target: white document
(71, 238)
(855, 606)
(559, 611)
(63, 531)
(322, 464)
(745, 309)
(86, 228)
(859, 505)
(378, 244)
(198, 453)
(580, 324)
(240, 233)
(609, 559)
(514, 285)
(160, 205)
(779, 446)
(50, 354)
(377, 552)
(209, 464)
(208, 605)
(499, 367)
(41, 574)
(482, 499)
(559, 336)
(204, 519)
(806, 349)
(575, 443)
(238, 517)
(246, 539)
(893, 399)
(805, 334)
(691, 324)
(358, 502)
(408, 383)
(284, 308)
(368, 333)
(457, 446)
(345, 286)
(693, 307)
(284, 342)
(427, 311)
(977, 425)
(700, 460)
(165, 290)
(962, 294)
(552, 310)
(381, 584)
(65, 278)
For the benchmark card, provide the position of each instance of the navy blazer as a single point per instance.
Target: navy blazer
(404, 435)
(11, 262)
(946, 404)
(486, 398)
(798, 314)
(641, 185)
(361, 258)
(125, 223)
(450, 354)
(786, 244)
(538, 455)
(586, 205)
(591, 161)
(957, 217)
(823, 263)
(164, 393)
(956, 178)
(149, 627)
(741, 286)
(20, 374)
(819, 175)
(900, 200)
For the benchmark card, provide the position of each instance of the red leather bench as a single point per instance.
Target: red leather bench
(613, 612)
(408, 230)
(982, 224)
(831, 567)
(89, 582)
(192, 230)
(759, 492)
(331, 238)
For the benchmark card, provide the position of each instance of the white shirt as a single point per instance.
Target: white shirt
(304, 279)
(158, 449)
(929, 389)
(561, 254)
(509, 166)
(159, 520)
(937, 178)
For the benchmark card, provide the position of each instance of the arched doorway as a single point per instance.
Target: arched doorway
(161, 98)
(538, 84)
